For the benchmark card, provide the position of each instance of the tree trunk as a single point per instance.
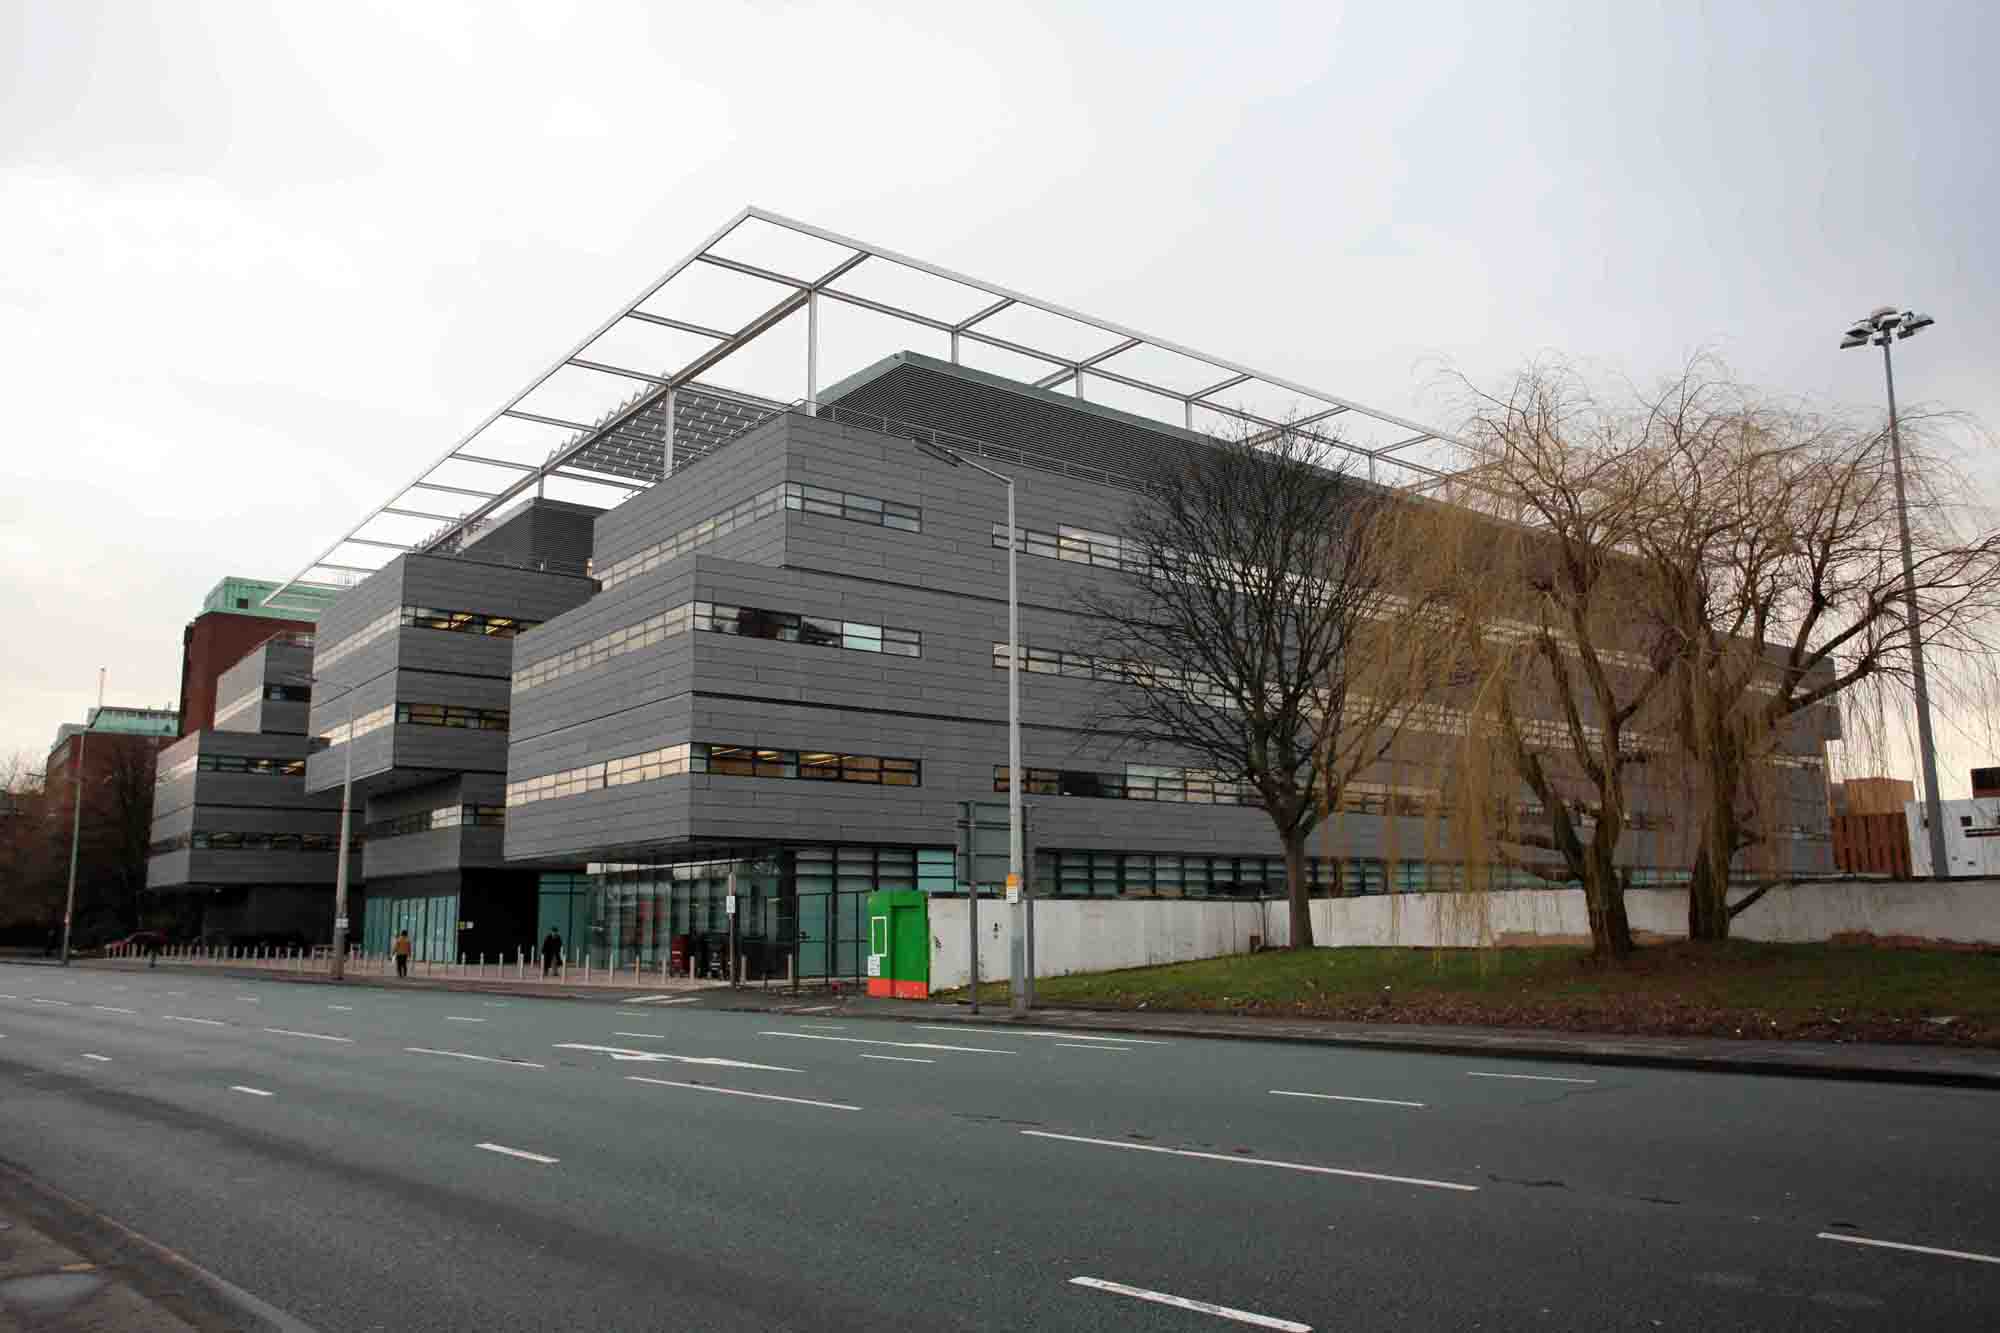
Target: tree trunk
(1708, 900)
(1604, 899)
(1298, 892)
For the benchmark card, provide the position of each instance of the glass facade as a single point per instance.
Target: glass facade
(797, 906)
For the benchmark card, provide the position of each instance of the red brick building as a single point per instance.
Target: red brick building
(232, 622)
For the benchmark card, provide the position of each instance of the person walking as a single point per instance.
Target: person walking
(402, 948)
(551, 953)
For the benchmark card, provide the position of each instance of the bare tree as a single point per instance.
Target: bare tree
(1256, 632)
(30, 887)
(1772, 563)
(1527, 552)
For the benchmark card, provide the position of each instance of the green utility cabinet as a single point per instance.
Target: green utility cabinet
(899, 944)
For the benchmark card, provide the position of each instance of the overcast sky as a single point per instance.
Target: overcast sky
(261, 262)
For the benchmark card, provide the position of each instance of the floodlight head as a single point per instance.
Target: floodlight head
(940, 453)
(1880, 313)
(1914, 323)
(1853, 339)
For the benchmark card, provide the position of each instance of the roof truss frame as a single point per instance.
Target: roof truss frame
(803, 293)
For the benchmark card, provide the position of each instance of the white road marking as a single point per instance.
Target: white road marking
(101, 1059)
(254, 1092)
(516, 1152)
(347, 1007)
(483, 1059)
(1200, 1307)
(651, 1035)
(662, 999)
(1255, 1161)
(899, 1059)
(63, 1003)
(738, 1092)
(249, 999)
(454, 1018)
(113, 1009)
(658, 1057)
(9, 997)
(178, 994)
(907, 1045)
(815, 1008)
(209, 1022)
(1073, 1046)
(1043, 1032)
(494, 1004)
(1914, 1249)
(316, 1036)
(1534, 1078)
(1334, 1097)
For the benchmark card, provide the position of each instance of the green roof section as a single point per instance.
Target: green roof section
(245, 597)
(135, 721)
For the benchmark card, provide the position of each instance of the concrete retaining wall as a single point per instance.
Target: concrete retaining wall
(1092, 935)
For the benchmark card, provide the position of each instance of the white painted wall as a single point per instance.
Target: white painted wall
(1971, 836)
(1093, 935)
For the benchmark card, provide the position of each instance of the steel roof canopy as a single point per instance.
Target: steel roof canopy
(627, 426)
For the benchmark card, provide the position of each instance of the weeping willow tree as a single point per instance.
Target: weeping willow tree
(1774, 566)
(1674, 588)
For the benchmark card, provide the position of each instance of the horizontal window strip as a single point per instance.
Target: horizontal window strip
(224, 763)
(443, 817)
(419, 715)
(717, 760)
(764, 504)
(1139, 782)
(486, 623)
(251, 842)
(793, 495)
(751, 622)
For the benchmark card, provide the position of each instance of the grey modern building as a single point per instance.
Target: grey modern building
(786, 666)
(241, 852)
(411, 712)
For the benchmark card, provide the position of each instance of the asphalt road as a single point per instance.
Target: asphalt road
(365, 1158)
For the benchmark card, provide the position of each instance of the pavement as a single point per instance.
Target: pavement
(383, 1157)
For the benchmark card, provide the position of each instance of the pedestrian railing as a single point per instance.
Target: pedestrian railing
(522, 966)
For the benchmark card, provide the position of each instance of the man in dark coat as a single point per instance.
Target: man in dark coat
(551, 953)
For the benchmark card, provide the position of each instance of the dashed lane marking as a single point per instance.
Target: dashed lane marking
(517, 1152)
(906, 1045)
(206, 1022)
(1040, 1032)
(738, 1092)
(254, 1092)
(345, 1008)
(316, 1036)
(1073, 1046)
(454, 1018)
(1256, 1161)
(483, 1059)
(1533, 1078)
(1914, 1249)
(114, 1009)
(1185, 1303)
(899, 1059)
(1336, 1097)
(59, 1003)
(101, 1059)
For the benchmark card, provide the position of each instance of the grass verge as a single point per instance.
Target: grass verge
(1735, 989)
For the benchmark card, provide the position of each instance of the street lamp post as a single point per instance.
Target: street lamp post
(337, 966)
(1024, 982)
(1883, 326)
(76, 820)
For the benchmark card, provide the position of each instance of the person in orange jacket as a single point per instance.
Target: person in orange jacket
(402, 950)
